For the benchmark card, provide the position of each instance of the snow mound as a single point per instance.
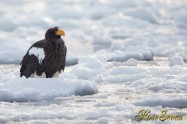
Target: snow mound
(90, 67)
(120, 56)
(21, 89)
(176, 60)
(71, 59)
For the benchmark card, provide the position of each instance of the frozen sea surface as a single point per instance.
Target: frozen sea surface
(122, 90)
(123, 56)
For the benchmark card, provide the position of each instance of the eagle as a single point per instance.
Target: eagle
(45, 58)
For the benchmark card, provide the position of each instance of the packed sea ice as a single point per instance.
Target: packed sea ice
(123, 56)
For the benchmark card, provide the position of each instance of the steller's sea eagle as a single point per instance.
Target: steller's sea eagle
(46, 57)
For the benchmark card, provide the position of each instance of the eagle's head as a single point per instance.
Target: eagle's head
(54, 33)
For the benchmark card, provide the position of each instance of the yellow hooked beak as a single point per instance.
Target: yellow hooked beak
(60, 32)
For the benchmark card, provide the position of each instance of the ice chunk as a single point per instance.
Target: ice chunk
(90, 67)
(21, 89)
(152, 102)
(176, 60)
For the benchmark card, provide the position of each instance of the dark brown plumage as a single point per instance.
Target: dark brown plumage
(45, 57)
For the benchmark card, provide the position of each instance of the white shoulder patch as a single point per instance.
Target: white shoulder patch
(38, 52)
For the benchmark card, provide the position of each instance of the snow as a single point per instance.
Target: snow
(8, 49)
(35, 89)
(172, 103)
(90, 67)
(122, 57)
(115, 94)
(147, 14)
(117, 26)
(176, 60)
(136, 54)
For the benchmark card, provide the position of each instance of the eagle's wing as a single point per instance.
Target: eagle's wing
(64, 58)
(31, 61)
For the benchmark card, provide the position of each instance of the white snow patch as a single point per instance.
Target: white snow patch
(71, 59)
(21, 89)
(90, 67)
(137, 53)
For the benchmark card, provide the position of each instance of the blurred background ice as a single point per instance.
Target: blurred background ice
(128, 29)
